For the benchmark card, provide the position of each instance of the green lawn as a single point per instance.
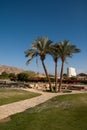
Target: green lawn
(13, 95)
(67, 112)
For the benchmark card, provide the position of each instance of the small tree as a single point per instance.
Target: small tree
(23, 77)
(12, 76)
(4, 75)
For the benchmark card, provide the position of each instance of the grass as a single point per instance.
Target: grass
(13, 95)
(66, 112)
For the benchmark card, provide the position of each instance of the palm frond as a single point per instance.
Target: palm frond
(42, 44)
(31, 54)
(67, 50)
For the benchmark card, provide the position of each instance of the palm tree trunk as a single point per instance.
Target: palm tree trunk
(47, 75)
(56, 76)
(61, 76)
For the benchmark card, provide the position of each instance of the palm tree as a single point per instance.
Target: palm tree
(54, 52)
(40, 48)
(65, 50)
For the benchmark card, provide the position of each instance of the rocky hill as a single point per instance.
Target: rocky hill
(10, 69)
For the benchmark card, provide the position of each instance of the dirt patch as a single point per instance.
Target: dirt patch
(5, 120)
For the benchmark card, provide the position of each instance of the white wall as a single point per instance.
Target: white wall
(71, 71)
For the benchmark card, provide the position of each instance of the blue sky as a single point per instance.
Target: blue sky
(22, 21)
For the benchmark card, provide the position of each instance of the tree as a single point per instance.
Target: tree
(12, 76)
(23, 76)
(82, 74)
(40, 48)
(54, 52)
(4, 75)
(65, 50)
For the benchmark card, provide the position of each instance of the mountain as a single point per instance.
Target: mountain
(10, 69)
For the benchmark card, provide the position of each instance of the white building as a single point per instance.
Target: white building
(71, 72)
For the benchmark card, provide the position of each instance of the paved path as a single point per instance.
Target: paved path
(17, 107)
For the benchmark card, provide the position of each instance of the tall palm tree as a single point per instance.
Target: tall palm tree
(65, 50)
(40, 48)
(54, 52)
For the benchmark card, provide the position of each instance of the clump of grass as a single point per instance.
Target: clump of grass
(13, 95)
(61, 102)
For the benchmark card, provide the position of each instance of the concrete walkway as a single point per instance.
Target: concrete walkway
(17, 107)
